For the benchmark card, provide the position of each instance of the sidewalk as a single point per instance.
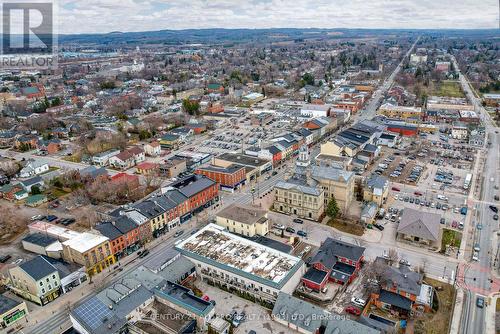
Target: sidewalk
(490, 312)
(456, 320)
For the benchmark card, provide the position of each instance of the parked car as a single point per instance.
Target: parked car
(290, 229)
(51, 218)
(5, 258)
(480, 302)
(404, 262)
(301, 233)
(298, 221)
(379, 227)
(144, 253)
(279, 226)
(36, 217)
(358, 301)
(493, 208)
(353, 310)
(178, 233)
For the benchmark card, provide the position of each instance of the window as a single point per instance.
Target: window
(54, 276)
(43, 290)
(41, 283)
(55, 283)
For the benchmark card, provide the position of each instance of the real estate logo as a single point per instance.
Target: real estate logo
(28, 35)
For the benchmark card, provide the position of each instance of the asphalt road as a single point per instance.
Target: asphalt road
(371, 109)
(477, 279)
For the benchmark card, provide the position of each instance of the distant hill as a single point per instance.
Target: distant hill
(224, 36)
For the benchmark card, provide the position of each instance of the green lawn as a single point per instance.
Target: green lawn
(450, 237)
(448, 88)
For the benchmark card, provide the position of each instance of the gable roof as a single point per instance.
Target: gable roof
(38, 267)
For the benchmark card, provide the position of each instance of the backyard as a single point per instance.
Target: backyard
(438, 321)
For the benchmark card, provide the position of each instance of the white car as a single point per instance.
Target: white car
(279, 226)
(36, 217)
(358, 301)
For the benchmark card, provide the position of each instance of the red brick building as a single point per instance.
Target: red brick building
(336, 261)
(132, 181)
(200, 191)
(230, 177)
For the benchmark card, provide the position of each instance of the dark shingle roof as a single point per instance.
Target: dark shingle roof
(38, 268)
(7, 304)
(40, 239)
(395, 299)
(331, 249)
(108, 230)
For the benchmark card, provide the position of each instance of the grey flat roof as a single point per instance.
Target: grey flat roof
(243, 214)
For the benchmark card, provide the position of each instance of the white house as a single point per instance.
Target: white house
(34, 167)
(102, 159)
(152, 149)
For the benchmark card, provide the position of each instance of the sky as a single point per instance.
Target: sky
(102, 16)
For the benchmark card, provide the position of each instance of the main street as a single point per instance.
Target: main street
(477, 277)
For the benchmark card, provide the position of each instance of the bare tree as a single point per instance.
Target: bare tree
(393, 256)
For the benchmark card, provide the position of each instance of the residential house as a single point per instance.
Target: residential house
(36, 200)
(102, 159)
(148, 168)
(153, 148)
(131, 181)
(128, 158)
(36, 280)
(33, 167)
(335, 261)
(36, 181)
(401, 291)
(169, 141)
(184, 133)
(8, 191)
(376, 189)
(92, 173)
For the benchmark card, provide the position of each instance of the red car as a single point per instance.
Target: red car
(353, 310)
(395, 189)
(417, 193)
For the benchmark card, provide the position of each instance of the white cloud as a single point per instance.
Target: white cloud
(91, 16)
